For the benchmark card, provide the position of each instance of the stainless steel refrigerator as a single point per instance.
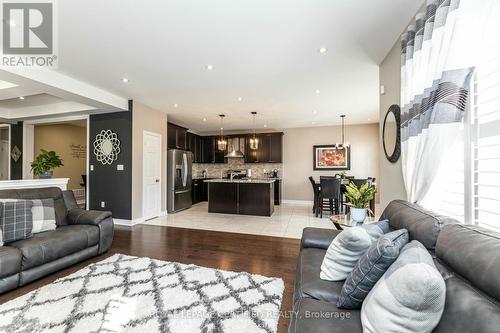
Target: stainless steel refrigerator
(179, 176)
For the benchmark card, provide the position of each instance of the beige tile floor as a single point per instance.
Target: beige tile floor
(287, 221)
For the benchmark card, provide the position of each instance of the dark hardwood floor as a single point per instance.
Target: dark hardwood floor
(269, 256)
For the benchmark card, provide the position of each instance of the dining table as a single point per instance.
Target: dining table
(343, 189)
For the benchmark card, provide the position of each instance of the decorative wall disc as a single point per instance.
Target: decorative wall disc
(106, 147)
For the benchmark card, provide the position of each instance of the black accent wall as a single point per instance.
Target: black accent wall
(16, 139)
(106, 183)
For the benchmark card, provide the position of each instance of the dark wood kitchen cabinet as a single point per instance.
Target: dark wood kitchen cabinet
(278, 190)
(241, 198)
(198, 193)
(270, 149)
(194, 145)
(176, 137)
(210, 153)
(207, 149)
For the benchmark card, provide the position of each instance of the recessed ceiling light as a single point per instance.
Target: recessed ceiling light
(21, 98)
(204, 119)
(176, 105)
(210, 67)
(265, 125)
(125, 80)
(240, 99)
(317, 91)
(323, 50)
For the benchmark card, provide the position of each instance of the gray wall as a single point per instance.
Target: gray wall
(391, 176)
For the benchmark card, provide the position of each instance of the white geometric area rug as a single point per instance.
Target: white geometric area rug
(131, 294)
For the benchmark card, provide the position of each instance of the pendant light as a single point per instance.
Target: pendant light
(221, 142)
(342, 144)
(254, 142)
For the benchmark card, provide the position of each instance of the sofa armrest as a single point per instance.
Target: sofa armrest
(318, 238)
(90, 217)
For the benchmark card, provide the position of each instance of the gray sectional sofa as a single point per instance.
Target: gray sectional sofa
(79, 235)
(468, 258)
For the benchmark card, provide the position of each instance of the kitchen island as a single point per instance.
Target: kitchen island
(241, 196)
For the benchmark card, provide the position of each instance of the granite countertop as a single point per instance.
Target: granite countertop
(255, 181)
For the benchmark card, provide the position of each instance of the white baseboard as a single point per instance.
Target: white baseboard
(128, 223)
(298, 202)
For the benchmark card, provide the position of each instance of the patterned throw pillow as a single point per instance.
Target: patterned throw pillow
(1, 232)
(16, 221)
(346, 249)
(371, 267)
(409, 297)
(44, 215)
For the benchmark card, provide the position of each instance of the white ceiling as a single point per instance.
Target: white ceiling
(265, 51)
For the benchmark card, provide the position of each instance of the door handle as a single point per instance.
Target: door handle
(184, 191)
(157, 181)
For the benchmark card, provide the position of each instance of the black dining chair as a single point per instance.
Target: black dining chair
(359, 182)
(316, 190)
(329, 195)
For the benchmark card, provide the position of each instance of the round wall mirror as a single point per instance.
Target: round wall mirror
(391, 134)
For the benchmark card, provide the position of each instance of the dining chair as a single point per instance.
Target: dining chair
(359, 182)
(330, 192)
(316, 191)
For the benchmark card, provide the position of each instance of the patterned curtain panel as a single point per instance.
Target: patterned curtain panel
(437, 66)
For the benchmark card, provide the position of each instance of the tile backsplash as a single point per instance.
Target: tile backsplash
(259, 170)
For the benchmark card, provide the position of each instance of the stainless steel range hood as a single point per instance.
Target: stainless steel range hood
(234, 144)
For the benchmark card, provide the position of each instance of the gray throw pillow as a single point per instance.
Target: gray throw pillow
(370, 268)
(1, 232)
(44, 215)
(409, 297)
(16, 221)
(346, 249)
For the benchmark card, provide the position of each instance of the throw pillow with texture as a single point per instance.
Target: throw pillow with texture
(370, 268)
(346, 249)
(1, 232)
(16, 221)
(409, 297)
(44, 214)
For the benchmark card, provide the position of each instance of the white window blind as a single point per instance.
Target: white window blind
(446, 195)
(467, 184)
(486, 211)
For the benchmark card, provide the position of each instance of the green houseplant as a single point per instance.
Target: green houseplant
(44, 163)
(359, 200)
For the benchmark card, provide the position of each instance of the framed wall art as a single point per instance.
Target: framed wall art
(331, 157)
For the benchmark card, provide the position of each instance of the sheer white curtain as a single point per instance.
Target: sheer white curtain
(438, 58)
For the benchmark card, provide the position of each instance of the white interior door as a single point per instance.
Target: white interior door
(151, 171)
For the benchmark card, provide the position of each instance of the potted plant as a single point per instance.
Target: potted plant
(359, 200)
(44, 163)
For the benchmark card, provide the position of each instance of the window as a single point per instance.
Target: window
(467, 185)
(486, 129)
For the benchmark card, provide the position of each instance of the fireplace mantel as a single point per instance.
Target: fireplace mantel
(62, 183)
